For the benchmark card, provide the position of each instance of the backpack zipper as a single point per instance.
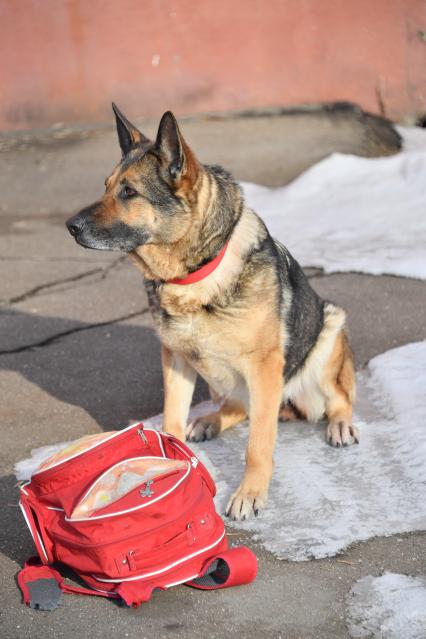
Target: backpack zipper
(139, 431)
(148, 503)
(193, 460)
(142, 436)
(194, 463)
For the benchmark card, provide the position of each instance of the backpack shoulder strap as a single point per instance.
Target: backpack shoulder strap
(42, 586)
(234, 567)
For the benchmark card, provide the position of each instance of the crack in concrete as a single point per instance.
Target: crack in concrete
(34, 292)
(78, 329)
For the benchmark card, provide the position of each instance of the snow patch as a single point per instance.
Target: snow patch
(388, 607)
(348, 213)
(322, 499)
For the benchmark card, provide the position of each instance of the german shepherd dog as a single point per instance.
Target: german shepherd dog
(268, 346)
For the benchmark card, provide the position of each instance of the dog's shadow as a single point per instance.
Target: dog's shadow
(113, 372)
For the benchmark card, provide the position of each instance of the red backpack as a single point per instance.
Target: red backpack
(161, 533)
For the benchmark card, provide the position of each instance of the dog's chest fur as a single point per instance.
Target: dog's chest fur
(216, 341)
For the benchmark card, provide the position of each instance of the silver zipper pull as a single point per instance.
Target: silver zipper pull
(142, 436)
(194, 462)
(147, 491)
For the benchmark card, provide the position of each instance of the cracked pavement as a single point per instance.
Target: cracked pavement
(78, 354)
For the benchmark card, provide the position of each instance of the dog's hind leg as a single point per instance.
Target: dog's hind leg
(338, 386)
(179, 381)
(229, 414)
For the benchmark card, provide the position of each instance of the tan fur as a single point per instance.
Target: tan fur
(179, 379)
(346, 376)
(229, 414)
(338, 386)
(265, 382)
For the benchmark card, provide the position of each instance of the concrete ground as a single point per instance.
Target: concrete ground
(78, 354)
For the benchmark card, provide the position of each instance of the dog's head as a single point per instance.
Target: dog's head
(148, 197)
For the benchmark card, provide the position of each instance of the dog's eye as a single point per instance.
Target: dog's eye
(127, 192)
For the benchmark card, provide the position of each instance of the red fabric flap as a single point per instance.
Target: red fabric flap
(34, 571)
(235, 567)
(134, 593)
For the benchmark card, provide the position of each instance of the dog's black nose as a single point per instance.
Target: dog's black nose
(75, 225)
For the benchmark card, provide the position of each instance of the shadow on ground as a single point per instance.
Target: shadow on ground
(111, 370)
(15, 541)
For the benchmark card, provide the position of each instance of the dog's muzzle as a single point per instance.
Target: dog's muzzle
(118, 236)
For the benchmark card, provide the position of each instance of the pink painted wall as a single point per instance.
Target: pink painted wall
(65, 60)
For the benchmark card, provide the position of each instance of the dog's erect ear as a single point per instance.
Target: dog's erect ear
(179, 158)
(128, 135)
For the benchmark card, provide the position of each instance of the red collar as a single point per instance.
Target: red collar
(202, 272)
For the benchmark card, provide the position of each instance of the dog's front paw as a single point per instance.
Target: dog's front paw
(245, 503)
(341, 434)
(202, 428)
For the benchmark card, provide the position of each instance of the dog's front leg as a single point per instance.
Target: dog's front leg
(265, 384)
(179, 381)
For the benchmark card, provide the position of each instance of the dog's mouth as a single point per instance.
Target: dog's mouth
(97, 246)
(87, 241)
